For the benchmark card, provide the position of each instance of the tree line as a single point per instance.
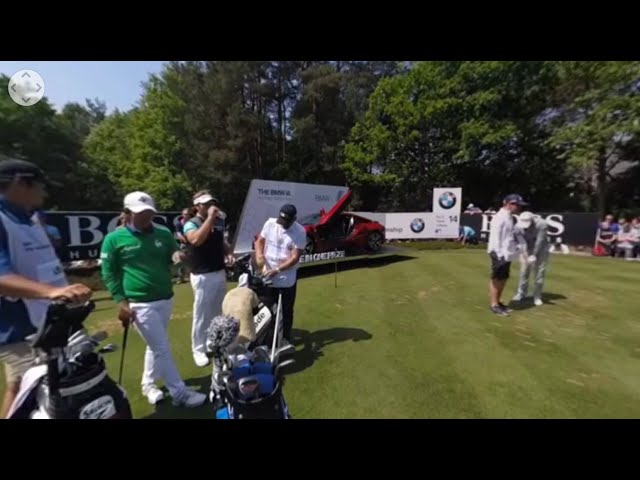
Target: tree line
(566, 135)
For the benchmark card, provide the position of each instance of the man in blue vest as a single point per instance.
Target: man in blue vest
(30, 272)
(207, 252)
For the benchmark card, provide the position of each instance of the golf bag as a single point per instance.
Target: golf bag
(251, 389)
(246, 384)
(265, 313)
(69, 380)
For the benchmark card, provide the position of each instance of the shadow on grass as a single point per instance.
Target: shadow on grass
(166, 410)
(314, 342)
(527, 303)
(367, 262)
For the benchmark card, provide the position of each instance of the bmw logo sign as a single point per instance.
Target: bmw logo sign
(447, 200)
(417, 225)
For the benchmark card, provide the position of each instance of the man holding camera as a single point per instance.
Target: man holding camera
(278, 250)
(30, 272)
(208, 252)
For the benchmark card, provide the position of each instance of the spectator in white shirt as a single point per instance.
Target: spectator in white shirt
(635, 228)
(503, 249)
(278, 250)
(626, 240)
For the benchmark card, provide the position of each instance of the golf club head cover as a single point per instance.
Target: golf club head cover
(239, 303)
(221, 333)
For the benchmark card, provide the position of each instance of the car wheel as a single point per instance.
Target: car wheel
(374, 241)
(309, 246)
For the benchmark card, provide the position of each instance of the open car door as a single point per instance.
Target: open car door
(331, 227)
(336, 210)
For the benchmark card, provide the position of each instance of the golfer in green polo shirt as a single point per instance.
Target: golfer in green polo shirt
(136, 269)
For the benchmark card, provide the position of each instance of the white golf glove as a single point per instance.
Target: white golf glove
(531, 259)
(177, 257)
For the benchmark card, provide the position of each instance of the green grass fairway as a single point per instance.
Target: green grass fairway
(415, 339)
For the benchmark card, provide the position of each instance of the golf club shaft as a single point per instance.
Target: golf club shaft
(124, 348)
(275, 331)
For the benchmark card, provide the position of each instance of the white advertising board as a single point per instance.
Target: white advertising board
(409, 225)
(404, 225)
(443, 222)
(265, 197)
(446, 210)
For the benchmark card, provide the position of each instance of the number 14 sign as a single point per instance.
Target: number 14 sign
(446, 210)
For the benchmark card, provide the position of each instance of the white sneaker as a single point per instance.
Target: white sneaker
(190, 399)
(537, 302)
(518, 298)
(153, 394)
(201, 359)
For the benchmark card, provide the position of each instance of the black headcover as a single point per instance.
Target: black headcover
(61, 322)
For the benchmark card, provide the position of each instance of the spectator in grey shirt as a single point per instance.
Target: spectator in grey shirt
(533, 238)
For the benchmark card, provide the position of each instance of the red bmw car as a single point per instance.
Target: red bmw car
(336, 229)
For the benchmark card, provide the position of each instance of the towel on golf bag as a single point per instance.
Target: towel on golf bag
(240, 303)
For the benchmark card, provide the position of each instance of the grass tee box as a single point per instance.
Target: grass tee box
(411, 336)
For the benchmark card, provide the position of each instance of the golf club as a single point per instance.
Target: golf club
(112, 347)
(249, 387)
(124, 348)
(287, 349)
(280, 367)
(277, 326)
(261, 353)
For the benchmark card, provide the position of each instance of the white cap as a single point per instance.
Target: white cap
(203, 199)
(526, 219)
(139, 202)
(471, 205)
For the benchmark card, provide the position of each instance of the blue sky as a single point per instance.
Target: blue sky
(116, 83)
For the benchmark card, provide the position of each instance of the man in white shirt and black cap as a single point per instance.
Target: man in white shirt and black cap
(534, 232)
(503, 249)
(278, 250)
(208, 252)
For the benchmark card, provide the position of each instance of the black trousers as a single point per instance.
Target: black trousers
(288, 301)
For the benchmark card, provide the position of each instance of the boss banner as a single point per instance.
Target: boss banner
(82, 232)
(575, 229)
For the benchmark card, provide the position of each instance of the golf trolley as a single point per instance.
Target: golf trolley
(69, 379)
(247, 380)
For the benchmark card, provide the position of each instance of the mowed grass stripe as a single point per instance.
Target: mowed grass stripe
(503, 383)
(572, 361)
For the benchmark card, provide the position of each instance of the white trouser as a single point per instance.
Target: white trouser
(151, 321)
(539, 268)
(209, 290)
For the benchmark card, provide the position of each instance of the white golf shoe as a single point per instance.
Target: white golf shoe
(201, 359)
(190, 399)
(537, 301)
(153, 394)
(518, 298)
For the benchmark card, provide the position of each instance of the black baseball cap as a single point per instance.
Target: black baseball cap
(287, 214)
(14, 169)
(515, 198)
